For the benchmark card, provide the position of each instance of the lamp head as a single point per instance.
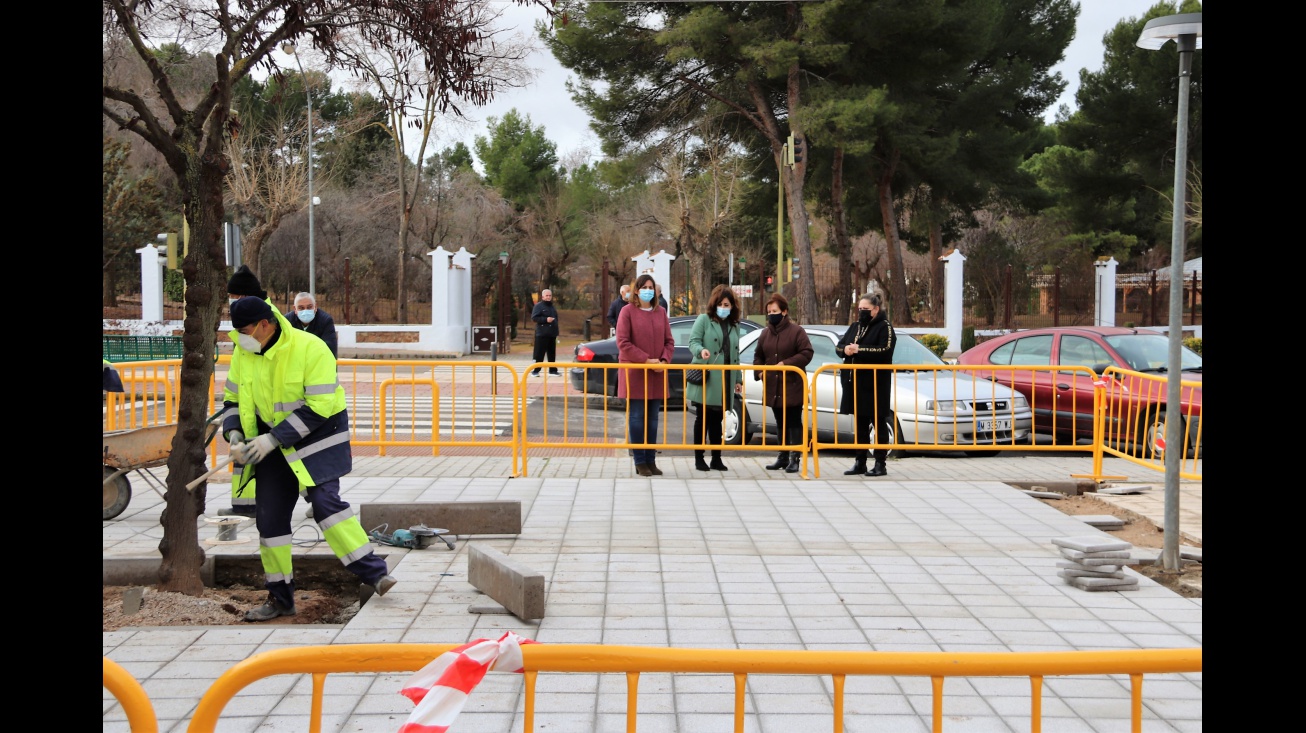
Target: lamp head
(288, 47)
(1158, 31)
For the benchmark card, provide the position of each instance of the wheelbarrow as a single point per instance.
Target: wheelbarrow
(139, 450)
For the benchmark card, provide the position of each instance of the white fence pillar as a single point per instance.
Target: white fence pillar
(953, 309)
(1104, 291)
(151, 283)
(659, 266)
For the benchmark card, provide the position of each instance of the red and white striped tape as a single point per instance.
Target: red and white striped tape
(1106, 380)
(440, 689)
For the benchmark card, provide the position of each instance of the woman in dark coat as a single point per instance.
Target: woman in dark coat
(870, 340)
(784, 342)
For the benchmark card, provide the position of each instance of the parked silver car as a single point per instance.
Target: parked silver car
(931, 406)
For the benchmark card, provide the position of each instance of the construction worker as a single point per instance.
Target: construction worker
(243, 282)
(283, 393)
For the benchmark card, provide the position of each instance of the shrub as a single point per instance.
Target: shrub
(934, 342)
(1194, 343)
(967, 338)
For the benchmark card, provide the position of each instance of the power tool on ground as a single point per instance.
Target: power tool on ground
(417, 537)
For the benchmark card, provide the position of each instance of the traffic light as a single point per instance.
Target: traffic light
(770, 282)
(795, 149)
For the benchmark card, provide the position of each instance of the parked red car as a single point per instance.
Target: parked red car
(1063, 401)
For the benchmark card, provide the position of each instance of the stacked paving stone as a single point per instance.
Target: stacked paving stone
(1094, 563)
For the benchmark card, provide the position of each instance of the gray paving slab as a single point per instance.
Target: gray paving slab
(941, 555)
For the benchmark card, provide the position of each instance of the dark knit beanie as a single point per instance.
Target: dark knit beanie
(250, 309)
(244, 282)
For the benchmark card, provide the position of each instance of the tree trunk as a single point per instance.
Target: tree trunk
(206, 277)
(899, 308)
(110, 287)
(839, 225)
(802, 237)
(937, 291)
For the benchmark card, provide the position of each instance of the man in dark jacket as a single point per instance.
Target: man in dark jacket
(784, 343)
(614, 310)
(306, 316)
(868, 395)
(546, 331)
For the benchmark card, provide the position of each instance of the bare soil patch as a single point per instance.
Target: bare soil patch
(221, 607)
(1139, 532)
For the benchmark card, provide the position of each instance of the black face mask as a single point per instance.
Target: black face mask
(775, 318)
(864, 317)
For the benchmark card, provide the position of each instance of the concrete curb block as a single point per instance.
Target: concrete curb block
(510, 583)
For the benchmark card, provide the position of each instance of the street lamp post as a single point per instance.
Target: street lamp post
(505, 290)
(289, 47)
(1186, 31)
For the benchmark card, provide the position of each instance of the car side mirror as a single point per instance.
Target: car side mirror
(1100, 368)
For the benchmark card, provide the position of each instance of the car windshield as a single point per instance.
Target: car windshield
(1150, 352)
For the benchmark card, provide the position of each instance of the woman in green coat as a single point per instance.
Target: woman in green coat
(714, 340)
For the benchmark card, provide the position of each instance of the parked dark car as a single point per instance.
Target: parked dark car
(605, 352)
(1063, 402)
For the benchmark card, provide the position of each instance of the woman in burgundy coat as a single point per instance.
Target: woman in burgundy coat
(784, 342)
(644, 337)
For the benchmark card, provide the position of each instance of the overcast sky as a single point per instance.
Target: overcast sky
(547, 102)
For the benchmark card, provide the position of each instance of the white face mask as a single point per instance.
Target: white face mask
(249, 343)
(306, 316)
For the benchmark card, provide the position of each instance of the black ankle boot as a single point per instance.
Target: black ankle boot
(699, 463)
(795, 463)
(781, 461)
(878, 469)
(859, 468)
(716, 464)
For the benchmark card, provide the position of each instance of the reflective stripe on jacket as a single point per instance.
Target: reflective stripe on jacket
(292, 388)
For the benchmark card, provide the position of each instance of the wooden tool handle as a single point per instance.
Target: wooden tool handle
(222, 463)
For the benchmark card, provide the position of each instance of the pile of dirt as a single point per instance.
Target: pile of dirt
(220, 607)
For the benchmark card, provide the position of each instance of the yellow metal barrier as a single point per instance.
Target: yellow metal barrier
(391, 400)
(135, 703)
(319, 661)
(603, 427)
(1135, 414)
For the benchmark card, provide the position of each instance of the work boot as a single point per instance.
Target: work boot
(701, 464)
(878, 469)
(385, 584)
(269, 611)
(795, 463)
(781, 461)
(716, 464)
(236, 511)
(859, 468)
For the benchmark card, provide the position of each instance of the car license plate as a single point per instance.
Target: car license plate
(989, 426)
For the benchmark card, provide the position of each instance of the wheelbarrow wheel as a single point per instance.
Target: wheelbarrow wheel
(117, 494)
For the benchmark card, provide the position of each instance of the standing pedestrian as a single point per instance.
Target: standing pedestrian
(306, 316)
(282, 390)
(644, 337)
(614, 309)
(545, 316)
(783, 342)
(868, 395)
(714, 340)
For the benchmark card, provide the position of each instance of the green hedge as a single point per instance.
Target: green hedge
(934, 342)
(1194, 343)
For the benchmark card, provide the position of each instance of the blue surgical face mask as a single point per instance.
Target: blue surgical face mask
(306, 316)
(646, 295)
(231, 301)
(723, 313)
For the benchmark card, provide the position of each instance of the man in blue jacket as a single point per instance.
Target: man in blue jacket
(306, 316)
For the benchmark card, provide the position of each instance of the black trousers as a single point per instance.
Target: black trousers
(546, 349)
(790, 427)
(876, 413)
(707, 426)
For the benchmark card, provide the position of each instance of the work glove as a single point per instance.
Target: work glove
(259, 448)
(235, 448)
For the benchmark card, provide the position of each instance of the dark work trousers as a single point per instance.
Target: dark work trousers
(878, 415)
(278, 494)
(790, 427)
(546, 349)
(712, 414)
